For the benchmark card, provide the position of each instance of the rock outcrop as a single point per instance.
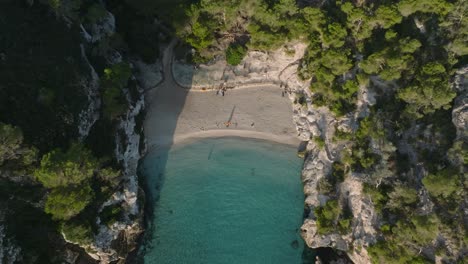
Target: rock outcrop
(258, 67)
(319, 122)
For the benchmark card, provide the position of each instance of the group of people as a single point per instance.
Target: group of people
(285, 90)
(221, 89)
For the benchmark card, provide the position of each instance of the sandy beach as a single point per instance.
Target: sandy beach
(176, 114)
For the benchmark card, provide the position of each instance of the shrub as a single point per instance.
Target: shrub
(389, 252)
(324, 186)
(378, 197)
(235, 54)
(111, 214)
(327, 216)
(10, 141)
(442, 184)
(95, 13)
(115, 79)
(319, 142)
(60, 168)
(79, 233)
(65, 203)
(338, 171)
(402, 197)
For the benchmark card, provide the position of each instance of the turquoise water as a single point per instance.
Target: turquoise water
(227, 200)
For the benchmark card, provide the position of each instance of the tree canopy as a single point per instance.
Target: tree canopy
(60, 169)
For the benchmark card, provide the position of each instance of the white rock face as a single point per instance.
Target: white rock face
(256, 68)
(127, 153)
(91, 112)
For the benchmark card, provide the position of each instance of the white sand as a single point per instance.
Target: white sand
(175, 114)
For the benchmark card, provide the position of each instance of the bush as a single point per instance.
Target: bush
(115, 79)
(338, 171)
(79, 233)
(111, 214)
(235, 54)
(59, 169)
(442, 184)
(319, 142)
(402, 197)
(378, 197)
(95, 13)
(65, 203)
(10, 141)
(327, 216)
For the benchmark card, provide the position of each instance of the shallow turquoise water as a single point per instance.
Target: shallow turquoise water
(227, 200)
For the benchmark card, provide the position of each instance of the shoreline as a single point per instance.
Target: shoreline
(225, 133)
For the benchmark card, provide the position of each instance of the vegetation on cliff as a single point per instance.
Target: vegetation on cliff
(54, 178)
(404, 149)
(406, 52)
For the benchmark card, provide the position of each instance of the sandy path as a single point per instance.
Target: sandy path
(175, 114)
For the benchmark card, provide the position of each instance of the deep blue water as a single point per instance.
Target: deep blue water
(226, 200)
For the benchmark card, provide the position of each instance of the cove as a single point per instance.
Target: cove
(224, 200)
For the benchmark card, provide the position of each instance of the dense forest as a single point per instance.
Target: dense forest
(54, 178)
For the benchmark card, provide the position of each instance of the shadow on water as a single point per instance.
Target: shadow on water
(166, 103)
(167, 100)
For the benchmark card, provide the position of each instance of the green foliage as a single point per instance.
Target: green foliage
(391, 62)
(389, 252)
(110, 176)
(65, 202)
(115, 79)
(342, 135)
(338, 171)
(11, 139)
(319, 142)
(420, 230)
(273, 24)
(408, 7)
(79, 233)
(334, 36)
(377, 195)
(235, 54)
(327, 216)
(455, 28)
(201, 37)
(55, 4)
(60, 169)
(95, 13)
(402, 197)
(332, 217)
(386, 16)
(324, 186)
(429, 91)
(362, 22)
(362, 156)
(442, 184)
(458, 154)
(111, 214)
